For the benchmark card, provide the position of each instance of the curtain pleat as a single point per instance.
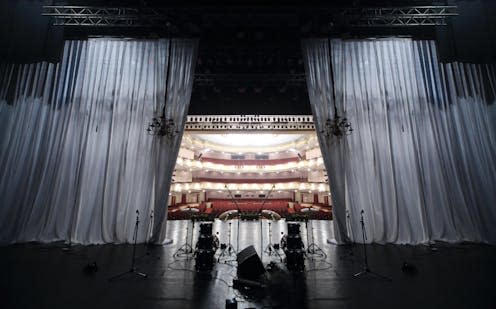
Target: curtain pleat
(421, 160)
(76, 162)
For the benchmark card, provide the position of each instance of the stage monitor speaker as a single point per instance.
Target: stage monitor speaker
(249, 264)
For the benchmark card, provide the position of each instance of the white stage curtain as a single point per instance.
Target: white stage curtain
(76, 162)
(421, 161)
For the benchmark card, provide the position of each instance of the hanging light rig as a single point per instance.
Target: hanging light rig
(162, 126)
(337, 126)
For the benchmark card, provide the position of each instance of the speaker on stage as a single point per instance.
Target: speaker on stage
(249, 264)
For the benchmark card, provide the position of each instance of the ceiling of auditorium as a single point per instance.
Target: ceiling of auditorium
(249, 140)
(252, 143)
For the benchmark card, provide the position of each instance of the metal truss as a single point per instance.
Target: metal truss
(397, 16)
(88, 16)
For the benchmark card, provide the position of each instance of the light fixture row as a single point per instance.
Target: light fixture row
(196, 144)
(183, 163)
(289, 186)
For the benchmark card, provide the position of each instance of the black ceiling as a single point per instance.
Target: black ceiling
(249, 58)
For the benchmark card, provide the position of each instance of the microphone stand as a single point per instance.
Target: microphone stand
(187, 248)
(239, 216)
(132, 270)
(270, 250)
(261, 223)
(366, 269)
(228, 249)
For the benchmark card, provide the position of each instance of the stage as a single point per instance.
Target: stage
(446, 276)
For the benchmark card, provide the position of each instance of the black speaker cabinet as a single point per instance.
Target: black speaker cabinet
(293, 229)
(249, 264)
(204, 259)
(295, 260)
(294, 242)
(205, 242)
(206, 228)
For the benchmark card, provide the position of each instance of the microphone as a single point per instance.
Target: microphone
(362, 211)
(137, 211)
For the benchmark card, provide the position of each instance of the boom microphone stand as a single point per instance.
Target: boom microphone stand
(366, 269)
(312, 247)
(132, 270)
(186, 248)
(227, 250)
(260, 218)
(239, 216)
(270, 249)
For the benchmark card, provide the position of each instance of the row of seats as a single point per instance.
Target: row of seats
(220, 206)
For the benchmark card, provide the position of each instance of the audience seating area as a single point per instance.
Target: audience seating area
(280, 206)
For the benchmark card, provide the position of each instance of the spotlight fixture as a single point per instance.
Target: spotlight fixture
(161, 126)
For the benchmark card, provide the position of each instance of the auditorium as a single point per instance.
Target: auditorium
(248, 154)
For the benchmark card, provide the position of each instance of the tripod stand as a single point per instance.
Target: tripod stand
(186, 248)
(132, 270)
(312, 247)
(271, 249)
(227, 250)
(366, 270)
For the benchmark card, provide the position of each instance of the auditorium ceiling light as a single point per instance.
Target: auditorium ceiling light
(272, 146)
(247, 187)
(249, 140)
(310, 164)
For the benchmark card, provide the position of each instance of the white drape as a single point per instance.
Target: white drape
(75, 160)
(421, 161)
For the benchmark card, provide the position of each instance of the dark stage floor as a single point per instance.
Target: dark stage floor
(446, 276)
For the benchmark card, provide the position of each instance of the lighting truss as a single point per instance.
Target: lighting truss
(89, 16)
(397, 16)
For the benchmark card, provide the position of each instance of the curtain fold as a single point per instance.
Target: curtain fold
(421, 160)
(76, 162)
